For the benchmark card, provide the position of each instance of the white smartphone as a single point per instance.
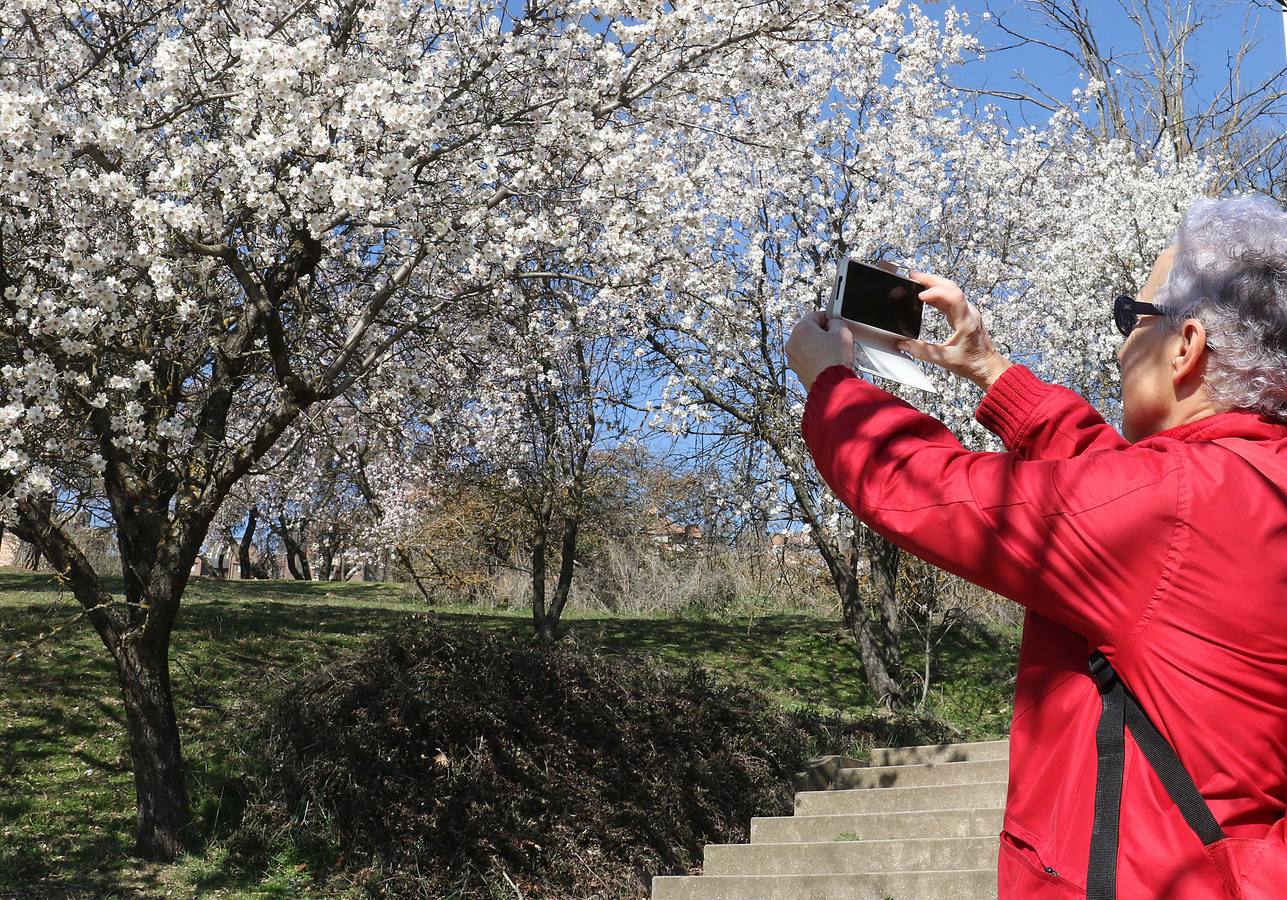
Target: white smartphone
(881, 307)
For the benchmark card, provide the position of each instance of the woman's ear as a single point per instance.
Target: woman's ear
(1190, 351)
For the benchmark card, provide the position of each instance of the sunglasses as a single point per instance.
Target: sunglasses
(1127, 311)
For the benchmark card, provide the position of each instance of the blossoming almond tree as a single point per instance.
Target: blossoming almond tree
(535, 432)
(861, 146)
(214, 216)
(569, 376)
(854, 148)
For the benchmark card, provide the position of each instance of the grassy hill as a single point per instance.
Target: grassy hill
(66, 813)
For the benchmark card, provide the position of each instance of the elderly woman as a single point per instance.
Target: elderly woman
(1153, 566)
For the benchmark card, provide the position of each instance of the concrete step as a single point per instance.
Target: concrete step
(911, 823)
(939, 753)
(980, 884)
(983, 795)
(936, 823)
(921, 775)
(821, 771)
(856, 857)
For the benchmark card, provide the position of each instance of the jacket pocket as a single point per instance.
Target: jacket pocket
(1250, 869)
(1020, 852)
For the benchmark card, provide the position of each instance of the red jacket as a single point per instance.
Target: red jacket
(1169, 555)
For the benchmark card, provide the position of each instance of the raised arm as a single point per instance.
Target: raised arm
(1036, 420)
(1083, 541)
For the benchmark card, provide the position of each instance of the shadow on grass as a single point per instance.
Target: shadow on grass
(22, 586)
(306, 591)
(67, 814)
(41, 879)
(12, 579)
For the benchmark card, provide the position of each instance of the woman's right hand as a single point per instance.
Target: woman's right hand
(968, 353)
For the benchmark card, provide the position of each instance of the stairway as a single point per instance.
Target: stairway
(913, 823)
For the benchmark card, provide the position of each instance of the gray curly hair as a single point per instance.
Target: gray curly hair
(1230, 273)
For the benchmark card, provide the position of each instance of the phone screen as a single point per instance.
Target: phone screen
(881, 299)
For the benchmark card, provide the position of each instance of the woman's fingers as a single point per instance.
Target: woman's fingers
(950, 300)
(968, 352)
(947, 299)
(948, 293)
(924, 351)
(945, 296)
(930, 280)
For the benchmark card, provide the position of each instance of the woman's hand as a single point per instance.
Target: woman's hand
(968, 353)
(817, 343)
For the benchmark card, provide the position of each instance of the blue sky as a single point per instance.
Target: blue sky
(1220, 37)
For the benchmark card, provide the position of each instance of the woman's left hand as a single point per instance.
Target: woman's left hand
(968, 353)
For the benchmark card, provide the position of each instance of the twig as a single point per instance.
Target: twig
(593, 874)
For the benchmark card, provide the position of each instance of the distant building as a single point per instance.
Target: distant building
(223, 560)
(16, 553)
(667, 532)
(362, 570)
(792, 547)
(220, 561)
(97, 542)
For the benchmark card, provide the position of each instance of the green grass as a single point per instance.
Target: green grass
(67, 803)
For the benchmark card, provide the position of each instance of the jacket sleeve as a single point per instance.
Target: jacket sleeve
(1036, 420)
(1089, 541)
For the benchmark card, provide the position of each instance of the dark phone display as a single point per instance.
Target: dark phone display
(880, 299)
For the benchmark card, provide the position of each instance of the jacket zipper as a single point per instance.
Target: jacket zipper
(1050, 871)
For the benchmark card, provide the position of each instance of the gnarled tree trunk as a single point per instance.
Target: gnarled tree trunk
(143, 670)
(136, 632)
(545, 631)
(880, 557)
(879, 660)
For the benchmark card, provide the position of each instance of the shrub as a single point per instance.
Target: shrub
(448, 762)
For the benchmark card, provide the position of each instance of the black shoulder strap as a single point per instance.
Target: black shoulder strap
(1120, 711)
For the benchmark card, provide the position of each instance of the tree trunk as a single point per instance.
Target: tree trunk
(328, 555)
(545, 632)
(296, 561)
(882, 557)
(405, 559)
(144, 674)
(137, 635)
(290, 560)
(566, 571)
(880, 660)
(243, 549)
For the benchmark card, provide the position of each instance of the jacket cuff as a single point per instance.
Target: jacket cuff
(1007, 409)
(827, 379)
